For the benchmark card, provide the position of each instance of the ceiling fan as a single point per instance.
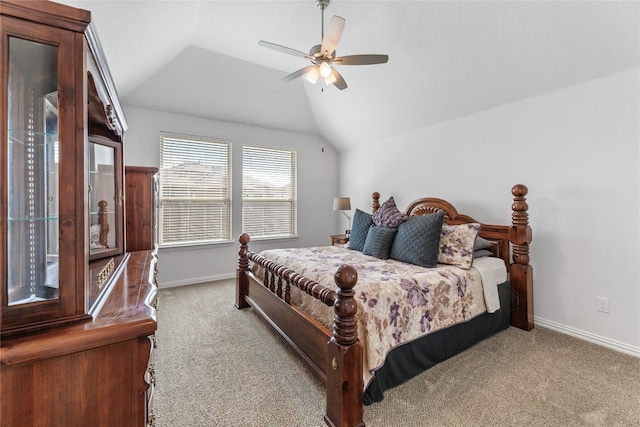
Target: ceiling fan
(323, 56)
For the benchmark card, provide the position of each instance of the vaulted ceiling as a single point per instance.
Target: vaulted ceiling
(447, 59)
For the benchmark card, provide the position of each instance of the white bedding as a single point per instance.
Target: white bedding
(493, 272)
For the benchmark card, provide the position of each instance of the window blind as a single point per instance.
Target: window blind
(269, 195)
(194, 190)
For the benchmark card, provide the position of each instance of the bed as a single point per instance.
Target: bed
(329, 326)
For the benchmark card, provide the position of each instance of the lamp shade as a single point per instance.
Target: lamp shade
(330, 79)
(312, 75)
(341, 204)
(325, 69)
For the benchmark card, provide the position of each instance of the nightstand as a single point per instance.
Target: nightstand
(339, 238)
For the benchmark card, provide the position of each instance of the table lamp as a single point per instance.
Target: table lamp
(343, 204)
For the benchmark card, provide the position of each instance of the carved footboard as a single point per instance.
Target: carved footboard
(335, 356)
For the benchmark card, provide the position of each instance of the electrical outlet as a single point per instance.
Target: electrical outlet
(602, 304)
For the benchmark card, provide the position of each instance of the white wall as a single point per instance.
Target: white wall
(577, 151)
(317, 186)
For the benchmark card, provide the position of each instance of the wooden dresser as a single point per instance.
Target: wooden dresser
(95, 373)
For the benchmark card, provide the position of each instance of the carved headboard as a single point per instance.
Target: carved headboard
(497, 234)
(510, 242)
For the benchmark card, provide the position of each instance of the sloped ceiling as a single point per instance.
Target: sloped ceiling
(202, 83)
(447, 59)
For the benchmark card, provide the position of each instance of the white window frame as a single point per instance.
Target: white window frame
(277, 169)
(194, 192)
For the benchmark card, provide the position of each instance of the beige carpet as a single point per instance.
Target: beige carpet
(219, 366)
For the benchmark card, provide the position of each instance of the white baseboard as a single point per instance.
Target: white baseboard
(196, 280)
(588, 336)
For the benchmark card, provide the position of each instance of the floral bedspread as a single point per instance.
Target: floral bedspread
(397, 302)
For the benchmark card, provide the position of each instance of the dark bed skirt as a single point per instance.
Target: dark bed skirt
(411, 359)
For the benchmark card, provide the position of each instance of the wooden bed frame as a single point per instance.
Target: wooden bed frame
(335, 355)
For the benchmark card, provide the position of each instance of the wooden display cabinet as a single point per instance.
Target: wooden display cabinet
(76, 310)
(141, 192)
(62, 151)
(43, 255)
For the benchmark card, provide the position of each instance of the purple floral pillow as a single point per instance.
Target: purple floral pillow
(388, 215)
(456, 244)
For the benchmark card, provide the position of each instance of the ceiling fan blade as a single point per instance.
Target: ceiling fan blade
(339, 83)
(285, 49)
(360, 59)
(296, 74)
(332, 35)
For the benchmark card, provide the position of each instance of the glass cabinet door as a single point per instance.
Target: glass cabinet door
(32, 164)
(105, 198)
(42, 255)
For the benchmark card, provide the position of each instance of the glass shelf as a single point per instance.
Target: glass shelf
(31, 132)
(53, 218)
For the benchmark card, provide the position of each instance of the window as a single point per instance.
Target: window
(195, 190)
(269, 206)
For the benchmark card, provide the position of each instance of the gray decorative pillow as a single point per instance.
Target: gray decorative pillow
(482, 253)
(379, 241)
(456, 244)
(388, 215)
(418, 240)
(481, 243)
(359, 229)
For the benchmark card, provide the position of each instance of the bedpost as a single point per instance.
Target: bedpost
(242, 283)
(521, 273)
(344, 354)
(103, 220)
(375, 205)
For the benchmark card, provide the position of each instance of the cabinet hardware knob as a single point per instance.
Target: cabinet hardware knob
(152, 374)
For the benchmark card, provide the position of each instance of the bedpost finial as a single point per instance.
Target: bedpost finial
(244, 239)
(345, 331)
(520, 206)
(346, 277)
(519, 190)
(243, 259)
(520, 232)
(375, 205)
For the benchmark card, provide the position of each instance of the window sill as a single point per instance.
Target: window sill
(278, 238)
(168, 247)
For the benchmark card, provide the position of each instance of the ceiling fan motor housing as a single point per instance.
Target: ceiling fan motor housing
(316, 52)
(322, 4)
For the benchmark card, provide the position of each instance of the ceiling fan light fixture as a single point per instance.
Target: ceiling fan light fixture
(325, 69)
(330, 79)
(312, 76)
